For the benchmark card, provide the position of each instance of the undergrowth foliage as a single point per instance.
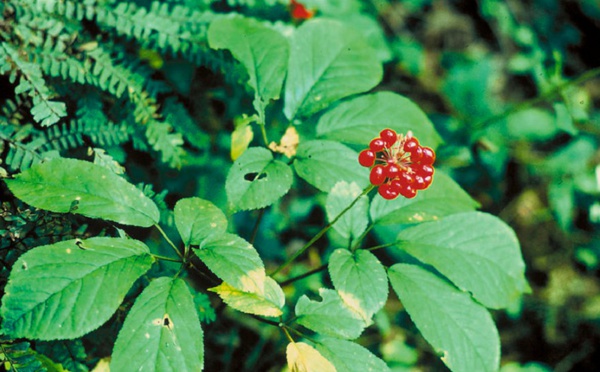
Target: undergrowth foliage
(109, 93)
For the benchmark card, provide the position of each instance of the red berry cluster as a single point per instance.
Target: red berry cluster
(400, 165)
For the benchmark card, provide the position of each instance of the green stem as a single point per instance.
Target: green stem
(256, 225)
(264, 134)
(302, 276)
(164, 258)
(322, 232)
(542, 98)
(361, 237)
(162, 232)
(386, 245)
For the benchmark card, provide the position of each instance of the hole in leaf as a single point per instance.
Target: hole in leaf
(253, 176)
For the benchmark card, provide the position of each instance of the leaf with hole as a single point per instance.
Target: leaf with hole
(256, 180)
(80, 187)
(68, 289)
(460, 330)
(161, 331)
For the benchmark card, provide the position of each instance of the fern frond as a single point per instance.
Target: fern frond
(19, 356)
(31, 82)
(162, 139)
(175, 113)
(80, 132)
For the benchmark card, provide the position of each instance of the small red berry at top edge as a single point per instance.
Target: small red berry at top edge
(416, 155)
(299, 11)
(388, 136)
(377, 175)
(366, 158)
(377, 144)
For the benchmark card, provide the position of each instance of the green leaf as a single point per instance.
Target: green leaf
(328, 61)
(69, 185)
(234, 261)
(460, 330)
(268, 304)
(196, 219)
(443, 198)
(256, 180)
(354, 222)
(324, 163)
(476, 251)
(360, 280)
(262, 50)
(302, 357)
(68, 289)
(561, 198)
(360, 119)
(349, 356)
(161, 332)
(330, 316)
(532, 124)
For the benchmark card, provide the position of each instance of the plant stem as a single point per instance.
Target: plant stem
(287, 334)
(302, 276)
(256, 225)
(264, 134)
(164, 258)
(531, 102)
(322, 232)
(162, 232)
(382, 246)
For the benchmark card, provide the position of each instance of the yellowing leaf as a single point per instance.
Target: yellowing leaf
(288, 144)
(267, 304)
(302, 357)
(241, 138)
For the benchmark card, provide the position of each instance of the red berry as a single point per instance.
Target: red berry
(408, 192)
(392, 171)
(411, 144)
(419, 183)
(377, 144)
(388, 136)
(417, 154)
(428, 156)
(387, 191)
(406, 178)
(422, 170)
(299, 11)
(377, 176)
(366, 158)
(427, 180)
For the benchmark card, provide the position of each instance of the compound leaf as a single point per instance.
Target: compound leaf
(330, 316)
(196, 218)
(349, 356)
(67, 289)
(444, 197)
(328, 61)
(476, 251)
(360, 280)
(234, 261)
(360, 119)
(256, 180)
(161, 332)
(460, 330)
(68, 185)
(324, 163)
